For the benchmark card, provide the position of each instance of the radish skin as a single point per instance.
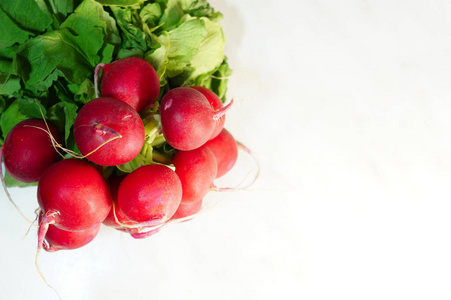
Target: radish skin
(225, 150)
(58, 239)
(187, 118)
(116, 217)
(131, 80)
(150, 195)
(28, 150)
(197, 170)
(73, 196)
(188, 209)
(108, 132)
(216, 105)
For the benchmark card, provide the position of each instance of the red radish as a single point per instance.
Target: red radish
(108, 132)
(143, 232)
(150, 195)
(28, 149)
(183, 213)
(216, 104)
(73, 196)
(187, 209)
(58, 239)
(187, 118)
(224, 148)
(196, 169)
(115, 213)
(131, 79)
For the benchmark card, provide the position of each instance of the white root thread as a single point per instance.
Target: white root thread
(36, 262)
(117, 220)
(74, 154)
(203, 209)
(47, 219)
(57, 145)
(37, 211)
(239, 186)
(148, 225)
(207, 206)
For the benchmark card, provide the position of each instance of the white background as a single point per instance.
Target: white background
(346, 104)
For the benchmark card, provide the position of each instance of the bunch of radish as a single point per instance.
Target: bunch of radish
(106, 182)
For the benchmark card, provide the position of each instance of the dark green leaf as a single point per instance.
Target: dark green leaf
(20, 19)
(31, 108)
(26, 13)
(40, 89)
(61, 8)
(88, 30)
(13, 33)
(9, 84)
(10, 118)
(120, 2)
(6, 59)
(55, 115)
(40, 56)
(11, 182)
(63, 115)
(70, 113)
(83, 92)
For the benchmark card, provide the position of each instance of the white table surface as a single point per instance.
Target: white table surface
(346, 104)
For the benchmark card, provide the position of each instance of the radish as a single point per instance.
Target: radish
(187, 209)
(58, 239)
(73, 196)
(108, 132)
(115, 213)
(145, 231)
(187, 118)
(150, 195)
(185, 212)
(216, 104)
(196, 169)
(225, 150)
(131, 79)
(28, 149)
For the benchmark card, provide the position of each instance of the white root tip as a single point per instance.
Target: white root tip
(36, 263)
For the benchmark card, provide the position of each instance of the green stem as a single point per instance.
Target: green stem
(158, 140)
(161, 158)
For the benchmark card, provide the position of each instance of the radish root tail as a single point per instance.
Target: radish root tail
(36, 262)
(208, 206)
(49, 217)
(221, 112)
(31, 225)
